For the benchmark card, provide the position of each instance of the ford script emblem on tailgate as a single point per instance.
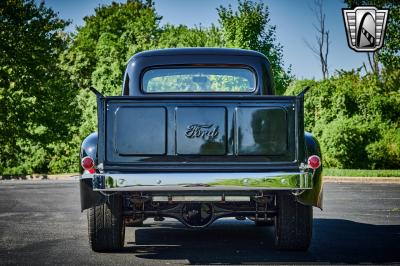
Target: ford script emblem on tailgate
(202, 131)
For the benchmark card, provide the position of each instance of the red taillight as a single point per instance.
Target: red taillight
(314, 162)
(88, 164)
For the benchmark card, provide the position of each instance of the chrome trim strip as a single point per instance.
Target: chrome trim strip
(193, 198)
(201, 181)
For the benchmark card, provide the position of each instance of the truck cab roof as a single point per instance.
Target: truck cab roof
(197, 57)
(199, 51)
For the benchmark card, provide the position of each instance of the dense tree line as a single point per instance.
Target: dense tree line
(46, 109)
(37, 113)
(355, 118)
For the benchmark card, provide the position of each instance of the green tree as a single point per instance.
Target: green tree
(182, 36)
(113, 34)
(36, 100)
(100, 49)
(250, 28)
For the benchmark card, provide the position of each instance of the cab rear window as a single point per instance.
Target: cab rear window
(198, 79)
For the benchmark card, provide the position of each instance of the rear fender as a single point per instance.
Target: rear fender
(89, 198)
(89, 148)
(314, 196)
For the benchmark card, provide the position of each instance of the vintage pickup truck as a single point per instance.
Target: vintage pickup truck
(198, 135)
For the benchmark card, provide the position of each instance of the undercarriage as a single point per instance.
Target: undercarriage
(201, 209)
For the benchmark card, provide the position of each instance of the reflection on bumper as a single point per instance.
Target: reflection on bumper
(201, 181)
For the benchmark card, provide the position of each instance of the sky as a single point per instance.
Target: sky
(293, 18)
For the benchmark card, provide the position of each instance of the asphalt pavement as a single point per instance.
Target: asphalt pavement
(41, 224)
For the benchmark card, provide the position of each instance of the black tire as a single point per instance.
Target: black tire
(293, 225)
(106, 225)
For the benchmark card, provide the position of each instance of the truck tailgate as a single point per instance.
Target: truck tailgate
(210, 133)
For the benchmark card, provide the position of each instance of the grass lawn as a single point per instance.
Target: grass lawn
(361, 172)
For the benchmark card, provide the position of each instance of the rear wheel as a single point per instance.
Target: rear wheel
(106, 225)
(293, 224)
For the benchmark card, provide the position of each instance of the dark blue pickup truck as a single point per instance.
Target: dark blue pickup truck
(198, 134)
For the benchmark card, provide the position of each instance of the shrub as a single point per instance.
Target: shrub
(355, 118)
(385, 153)
(343, 142)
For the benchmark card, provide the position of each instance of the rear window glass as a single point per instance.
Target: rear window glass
(198, 79)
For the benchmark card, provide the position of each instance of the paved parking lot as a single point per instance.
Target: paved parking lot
(40, 223)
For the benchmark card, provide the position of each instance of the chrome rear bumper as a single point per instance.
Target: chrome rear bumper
(201, 181)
